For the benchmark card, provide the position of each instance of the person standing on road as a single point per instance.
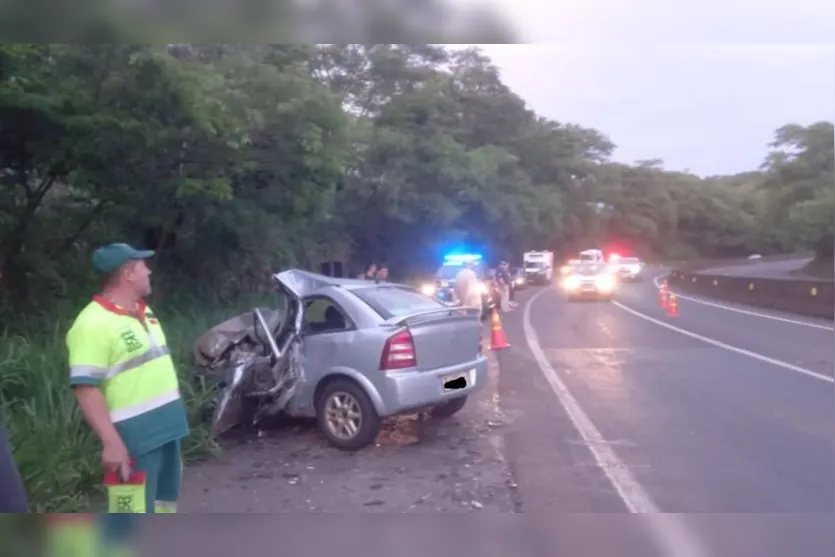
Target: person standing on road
(124, 379)
(371, 272)
(465, 287)
(382, 274)
(512, 295)
(503, 278)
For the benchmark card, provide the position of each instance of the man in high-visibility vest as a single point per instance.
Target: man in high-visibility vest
(124, 379)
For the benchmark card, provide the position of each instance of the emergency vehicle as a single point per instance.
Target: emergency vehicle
(539, 266)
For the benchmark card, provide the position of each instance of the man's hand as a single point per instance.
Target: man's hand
(114, 454)
(115, 457)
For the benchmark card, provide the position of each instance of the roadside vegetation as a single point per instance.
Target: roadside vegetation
(234, 161)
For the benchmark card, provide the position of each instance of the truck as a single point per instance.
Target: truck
(539, 266)
(592, 256)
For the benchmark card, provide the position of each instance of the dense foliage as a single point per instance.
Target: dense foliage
(235, 160)
(232, 160)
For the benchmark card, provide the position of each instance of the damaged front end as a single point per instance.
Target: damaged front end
(254, 357)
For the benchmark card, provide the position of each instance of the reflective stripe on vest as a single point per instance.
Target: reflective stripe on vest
(114, 370)
(134, 410)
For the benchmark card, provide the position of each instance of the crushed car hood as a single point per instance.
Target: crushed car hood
(235, 339)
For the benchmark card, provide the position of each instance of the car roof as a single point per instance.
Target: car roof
(305, 283)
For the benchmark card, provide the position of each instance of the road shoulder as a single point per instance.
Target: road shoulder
(418, 464)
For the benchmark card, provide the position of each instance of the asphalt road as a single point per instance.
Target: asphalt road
(763, 269)
(732, 413)
(608, 428)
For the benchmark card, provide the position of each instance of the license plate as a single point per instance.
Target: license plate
(456, 377)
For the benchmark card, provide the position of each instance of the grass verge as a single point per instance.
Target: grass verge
(57, 454)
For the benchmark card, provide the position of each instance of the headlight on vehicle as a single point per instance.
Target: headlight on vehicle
(520, 281)
(427, 289)
(564, 269)
(571, 282)
(605, 283)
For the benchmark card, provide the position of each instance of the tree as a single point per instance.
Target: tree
(232, 160)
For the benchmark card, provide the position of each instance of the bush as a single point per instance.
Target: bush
(56, 452)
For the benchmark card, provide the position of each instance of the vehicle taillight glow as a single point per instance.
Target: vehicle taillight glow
(398, 352)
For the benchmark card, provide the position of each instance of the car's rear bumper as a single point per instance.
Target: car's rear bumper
(402, 391)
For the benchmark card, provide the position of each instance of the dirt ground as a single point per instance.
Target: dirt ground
(418, 464)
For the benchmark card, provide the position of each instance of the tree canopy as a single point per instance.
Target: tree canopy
(232, 160)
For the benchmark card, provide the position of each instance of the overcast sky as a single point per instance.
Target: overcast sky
(690, 86)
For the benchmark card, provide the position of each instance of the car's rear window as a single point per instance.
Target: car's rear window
(630, 260)
(395, 301)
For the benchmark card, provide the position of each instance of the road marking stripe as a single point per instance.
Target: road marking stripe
(730, 348)
(745, 311)
(668, 530)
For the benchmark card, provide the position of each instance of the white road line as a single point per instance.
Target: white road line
(730, 348)
(745, 311)
(669, 532)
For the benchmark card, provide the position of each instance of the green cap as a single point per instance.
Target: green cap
(112, 256)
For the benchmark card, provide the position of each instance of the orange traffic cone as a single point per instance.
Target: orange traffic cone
(672, 308)
(498, 341)
(662, 297)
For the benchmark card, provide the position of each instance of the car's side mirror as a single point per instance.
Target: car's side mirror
(263, 333)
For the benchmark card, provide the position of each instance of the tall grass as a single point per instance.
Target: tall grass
(56, 452)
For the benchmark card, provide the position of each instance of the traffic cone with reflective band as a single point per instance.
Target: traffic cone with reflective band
(662, 297)
(498, 341)
(672, 307)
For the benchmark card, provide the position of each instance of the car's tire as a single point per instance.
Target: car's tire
(330, 414)
(449, 408)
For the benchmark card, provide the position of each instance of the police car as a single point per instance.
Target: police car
(628, 268)
(442, 287)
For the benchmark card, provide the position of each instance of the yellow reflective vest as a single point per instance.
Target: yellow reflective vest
(127, 356)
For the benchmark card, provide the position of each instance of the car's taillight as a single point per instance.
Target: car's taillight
(398, 352)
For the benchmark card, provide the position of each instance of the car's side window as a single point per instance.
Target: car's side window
(323, 315)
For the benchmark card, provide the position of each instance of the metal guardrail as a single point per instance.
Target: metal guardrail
(815, 298)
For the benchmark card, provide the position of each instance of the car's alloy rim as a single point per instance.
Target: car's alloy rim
(343, 415)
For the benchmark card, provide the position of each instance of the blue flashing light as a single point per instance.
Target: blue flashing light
(462, 258)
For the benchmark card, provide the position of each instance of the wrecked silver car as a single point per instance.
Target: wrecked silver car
(346, 352)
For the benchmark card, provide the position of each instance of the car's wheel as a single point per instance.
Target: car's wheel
(449, 408)
(346, 416)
